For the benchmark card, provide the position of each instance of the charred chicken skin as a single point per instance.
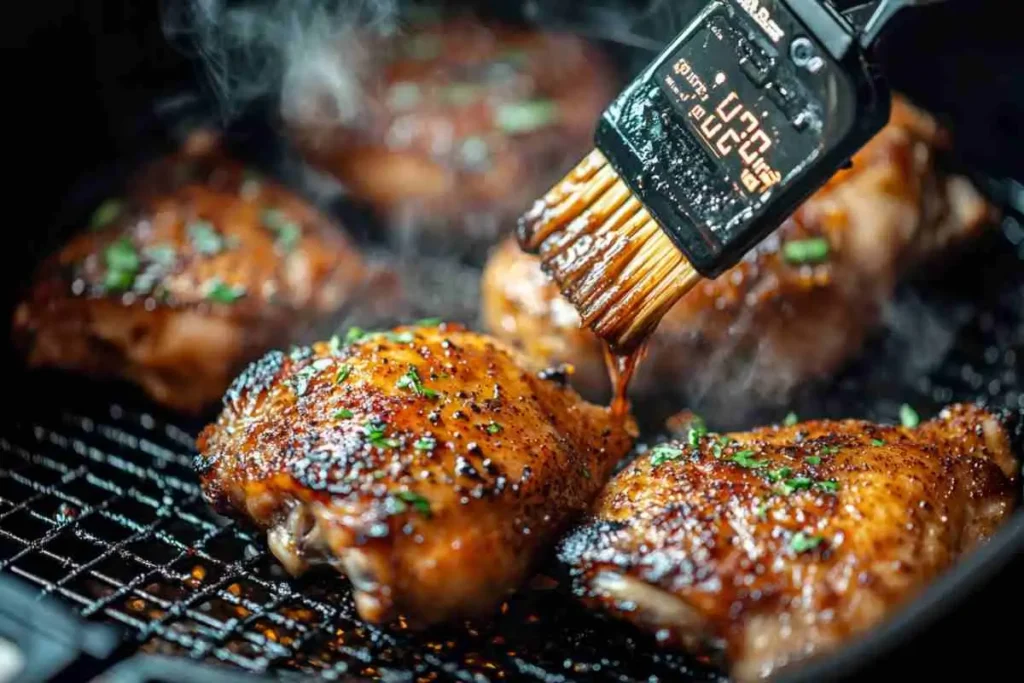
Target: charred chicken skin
(770, 547)
(795, 308)
(199, 269)
(423, 463)
(464, 123)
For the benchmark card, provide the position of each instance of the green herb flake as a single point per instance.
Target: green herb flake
(334, 344)
(746, 459)
(813, 250)
(493, 428)
(813, 460)
(586, 472)
(411, 380)
(354, 334)
(425, 443)
(343, 414)
(663, 453)
(790, 419)
(374, 432)
(762, 511)
(204, 238)
(343, 373)
(418, 502)
(400, 337)
(527, 116)
(877, 442)
(105, 214)
(161, 254)
(429, 322)
(801, 542)
(909, 417)
(287, 232)
(779, 474)
(122, 264)
(222, 293)
(830, 450)
(697, 431)
(795, 484)
(830, 486)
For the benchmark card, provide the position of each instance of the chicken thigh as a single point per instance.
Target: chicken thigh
(422, 462)
(199, 269)
(770, 547)
(797, 307)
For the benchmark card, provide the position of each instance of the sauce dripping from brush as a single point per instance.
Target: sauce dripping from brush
(620, 371)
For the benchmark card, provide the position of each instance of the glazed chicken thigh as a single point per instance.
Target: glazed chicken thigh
(423, 463)
(770, 547)
(795, 308)
(201, 267)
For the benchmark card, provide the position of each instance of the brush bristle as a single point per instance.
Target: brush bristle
(609, 257)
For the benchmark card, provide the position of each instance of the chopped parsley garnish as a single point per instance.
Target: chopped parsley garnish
(779, 474)
(375, 435)
(411, 380)
(830, 450)
(105, 214)
(425, 443)
(877, 442)
(334, 344)
(813, 250)
(415, 500)
(493, 428)
(697, 430)
(299, 381)
(161, 254)
(400, 337)
(762, 511)
(526, 116)
(796, 484)
(716, 447)
(205, 238)
(790, 419)
(801, 542)
(343, 414)
(746, 459)
(122, 264)
(813, 460)
(342, 373)
(827, 486)
(429, 322)
(354, 334)
(586, 472)
(909, 417)
(287, 231)
(219, 291)
(663, 453)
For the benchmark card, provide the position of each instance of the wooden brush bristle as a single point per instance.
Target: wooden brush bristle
(609, 257)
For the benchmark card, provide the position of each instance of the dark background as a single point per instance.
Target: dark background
(81, 71)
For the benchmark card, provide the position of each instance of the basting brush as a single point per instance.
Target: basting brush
(745, 114)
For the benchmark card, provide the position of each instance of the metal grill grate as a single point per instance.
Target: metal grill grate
(99, 507)
(104, 512)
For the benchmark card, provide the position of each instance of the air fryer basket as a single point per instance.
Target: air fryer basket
(101, 517)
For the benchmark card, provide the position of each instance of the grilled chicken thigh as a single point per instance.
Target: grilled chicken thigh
(423, 462)
(199, 269)
(464, 123)
(774, 546)
(795, 308)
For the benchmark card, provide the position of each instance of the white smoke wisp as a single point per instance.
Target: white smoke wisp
(301, 53)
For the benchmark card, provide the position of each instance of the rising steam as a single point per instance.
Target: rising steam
(297, 53)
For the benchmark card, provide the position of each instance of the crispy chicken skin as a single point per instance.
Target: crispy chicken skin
(775, 319)
(464, 123)
(199, 269)
(423, 462)
(773, 546)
